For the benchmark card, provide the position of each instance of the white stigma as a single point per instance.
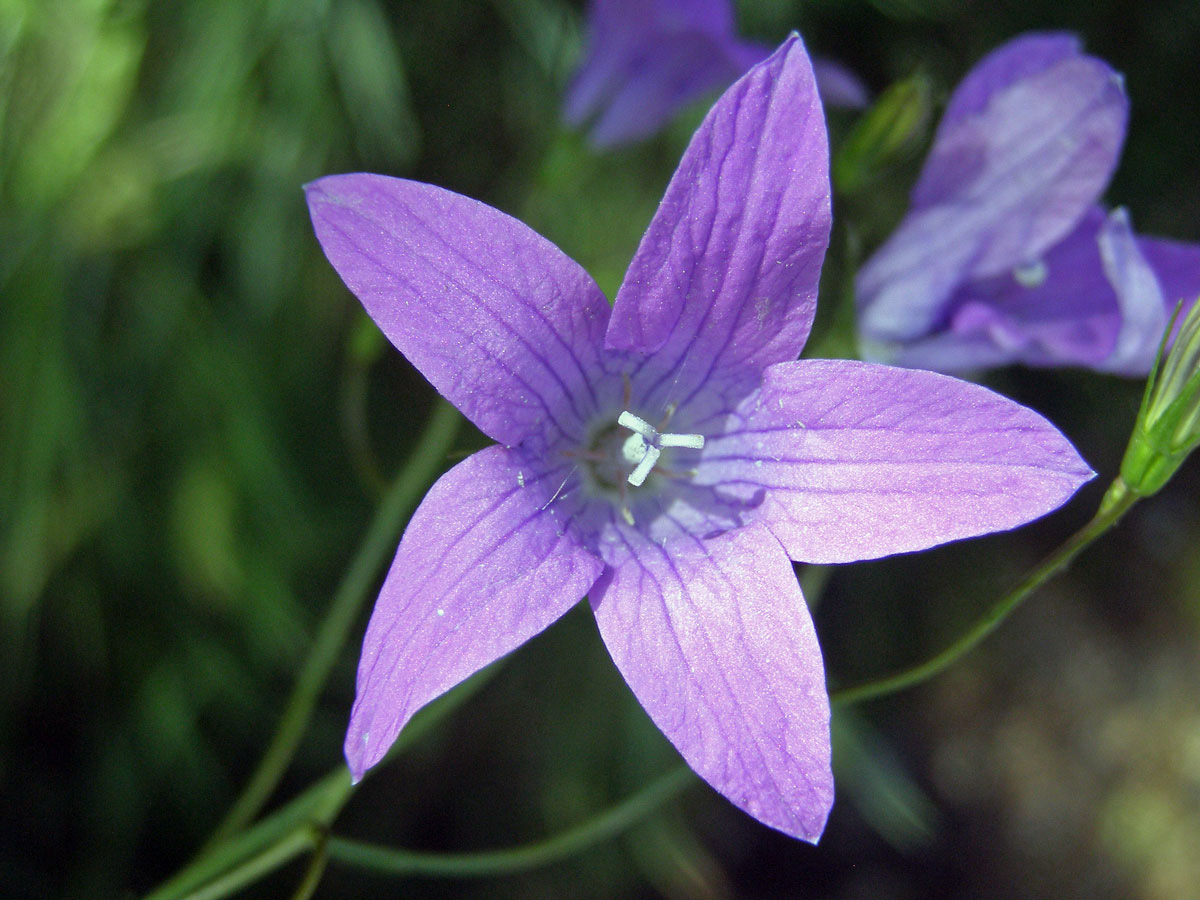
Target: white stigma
(643, 448)
(1032, 274)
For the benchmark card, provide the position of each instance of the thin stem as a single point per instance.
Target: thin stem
(354, 424)
(314, 871)
(255, 851)
(1116, 503)
(264, 846)
(608, 824)
(423, 463)
(256, 866)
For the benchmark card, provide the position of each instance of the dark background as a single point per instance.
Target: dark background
(197, 416)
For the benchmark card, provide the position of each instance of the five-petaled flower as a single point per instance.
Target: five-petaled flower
(1005, 255)
(667, 456)
(648, 59)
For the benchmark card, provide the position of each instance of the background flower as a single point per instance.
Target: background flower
(648, 59)
(1004, 255)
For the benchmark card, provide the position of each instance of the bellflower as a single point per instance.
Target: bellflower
(1005, 255)
(667, 456)
(648, 59)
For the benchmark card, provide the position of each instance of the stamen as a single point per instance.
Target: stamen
(667, 414)
(638, 475)
(691, 441)
(644, 446)
(633, 423)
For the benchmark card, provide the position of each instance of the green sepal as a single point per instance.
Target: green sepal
(1168, 423)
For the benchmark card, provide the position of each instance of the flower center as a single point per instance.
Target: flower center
(624, 453)
(643, 448)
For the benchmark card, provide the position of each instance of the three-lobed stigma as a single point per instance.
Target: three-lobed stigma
(644, 446)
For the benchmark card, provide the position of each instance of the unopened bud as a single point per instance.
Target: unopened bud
(1168, 423)
(886, 134)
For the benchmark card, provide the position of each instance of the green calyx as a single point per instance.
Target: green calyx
(1168, 423)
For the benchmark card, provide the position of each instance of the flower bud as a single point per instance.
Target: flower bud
(888, 132)
(1168, 423)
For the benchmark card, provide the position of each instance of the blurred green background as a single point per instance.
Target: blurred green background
(196, 420)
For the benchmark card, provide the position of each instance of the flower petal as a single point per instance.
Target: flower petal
(1143, 313)
(858, 461)
(1014, 61)
(725, 278)
(646, 59)
(504, 325)
(1177, 266)
(1092, 301)
(659, 78)
(485, 564)
(628, 19)
(716, 642)
(1015, 165)
(839, 85)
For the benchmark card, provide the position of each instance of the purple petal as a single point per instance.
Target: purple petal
(597, 78)
(725, 279)
(657, 80)
(1061, 310)
(1017, 164)
(839, 86)
(647, 60)
(1177, 266)
(1037, 101)
(859, 461)
(502, 323)
(613, 33)
(1143, 314)
(614, 18)
(485, 564)
(716, 642)
(979, 338)
(1022, 57)
(1092, 301)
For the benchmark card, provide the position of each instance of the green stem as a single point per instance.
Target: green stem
(608, 824)
(256, 866)
(423, 464)
(354, 419)
(1116, 503)
(279, 837)
(314, 871)
(252, 853)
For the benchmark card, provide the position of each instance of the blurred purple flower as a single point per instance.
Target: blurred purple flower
(648, 59)
(668, 454)
(1005, 255)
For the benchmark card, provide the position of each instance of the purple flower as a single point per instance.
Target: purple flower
(666, 456)
(647, 59)
(1005, 255)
